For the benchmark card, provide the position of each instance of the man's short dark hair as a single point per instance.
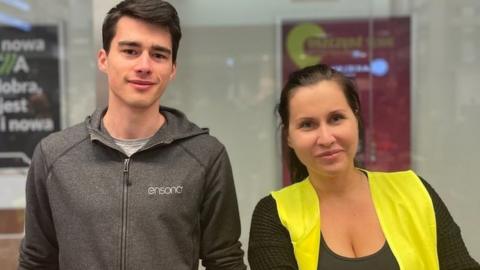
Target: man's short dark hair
(155, 12)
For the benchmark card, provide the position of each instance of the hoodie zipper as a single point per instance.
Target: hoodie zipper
(123, 243)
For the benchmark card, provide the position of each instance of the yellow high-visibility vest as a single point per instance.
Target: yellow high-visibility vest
(403, 206)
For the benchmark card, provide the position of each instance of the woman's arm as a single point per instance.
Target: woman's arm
(269, 246)
(452, 253)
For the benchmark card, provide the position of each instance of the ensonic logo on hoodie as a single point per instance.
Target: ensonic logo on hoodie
(165, 190)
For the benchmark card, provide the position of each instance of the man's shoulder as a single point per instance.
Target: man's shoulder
(204, 140)
(196, 141)
(59, 142)
(204, 147)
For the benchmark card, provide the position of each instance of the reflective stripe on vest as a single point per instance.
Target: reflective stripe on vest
(403, 206)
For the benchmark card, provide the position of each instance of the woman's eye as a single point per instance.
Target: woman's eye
(306, 125)
(337, 118)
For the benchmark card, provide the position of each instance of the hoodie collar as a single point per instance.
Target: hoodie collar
(176, 127)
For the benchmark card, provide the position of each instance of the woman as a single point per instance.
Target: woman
(337, 216)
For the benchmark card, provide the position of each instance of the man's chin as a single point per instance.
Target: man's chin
(142, 105)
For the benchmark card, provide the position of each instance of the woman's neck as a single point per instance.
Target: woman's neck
(340, 184)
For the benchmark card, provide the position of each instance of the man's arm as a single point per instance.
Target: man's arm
(39, 249)
(219, 217)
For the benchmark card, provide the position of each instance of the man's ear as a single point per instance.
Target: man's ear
(174, 71)
(102, 62)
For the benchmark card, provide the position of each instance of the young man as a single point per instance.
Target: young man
(137, 186)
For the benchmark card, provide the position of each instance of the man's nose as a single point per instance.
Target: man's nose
(143, 65)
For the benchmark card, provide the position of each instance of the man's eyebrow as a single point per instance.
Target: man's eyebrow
(161, 49)
(129, 43)
(158, 48)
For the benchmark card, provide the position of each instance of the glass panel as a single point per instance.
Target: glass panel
(229, 78)
(230, 75)
(46, 84)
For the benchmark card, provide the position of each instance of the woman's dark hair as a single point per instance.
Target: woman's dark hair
(155, 12)
(304, 77)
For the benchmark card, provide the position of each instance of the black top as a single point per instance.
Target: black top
(383, 259)
(270, 246)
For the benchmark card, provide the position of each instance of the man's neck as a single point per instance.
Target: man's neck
(128, 123)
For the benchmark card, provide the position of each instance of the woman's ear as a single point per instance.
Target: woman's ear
(286, 136)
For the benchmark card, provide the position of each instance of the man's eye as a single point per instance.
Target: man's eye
(159, 56)
(130, 51)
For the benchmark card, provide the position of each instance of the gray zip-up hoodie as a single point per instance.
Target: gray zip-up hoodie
(170, 204)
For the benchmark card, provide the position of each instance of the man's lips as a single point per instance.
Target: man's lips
(141, 84)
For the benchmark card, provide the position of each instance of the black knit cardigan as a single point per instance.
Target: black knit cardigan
(270, 246)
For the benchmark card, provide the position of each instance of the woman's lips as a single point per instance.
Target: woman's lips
(328, 154)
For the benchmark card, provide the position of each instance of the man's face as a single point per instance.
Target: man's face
(139, 65)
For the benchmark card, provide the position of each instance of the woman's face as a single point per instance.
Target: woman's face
(323, 130)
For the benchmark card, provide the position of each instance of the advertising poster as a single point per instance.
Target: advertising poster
(29, 91)
(376, 53)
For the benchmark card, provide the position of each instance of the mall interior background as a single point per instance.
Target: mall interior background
(228, 80)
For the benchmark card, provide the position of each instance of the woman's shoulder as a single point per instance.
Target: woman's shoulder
(413, 175)
(267, 206)
(265, 218)
(266, 203)
(293, 191)
(391, 174)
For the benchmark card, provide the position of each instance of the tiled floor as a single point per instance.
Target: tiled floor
(11, 228)
(9, 253)
(11, 221)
